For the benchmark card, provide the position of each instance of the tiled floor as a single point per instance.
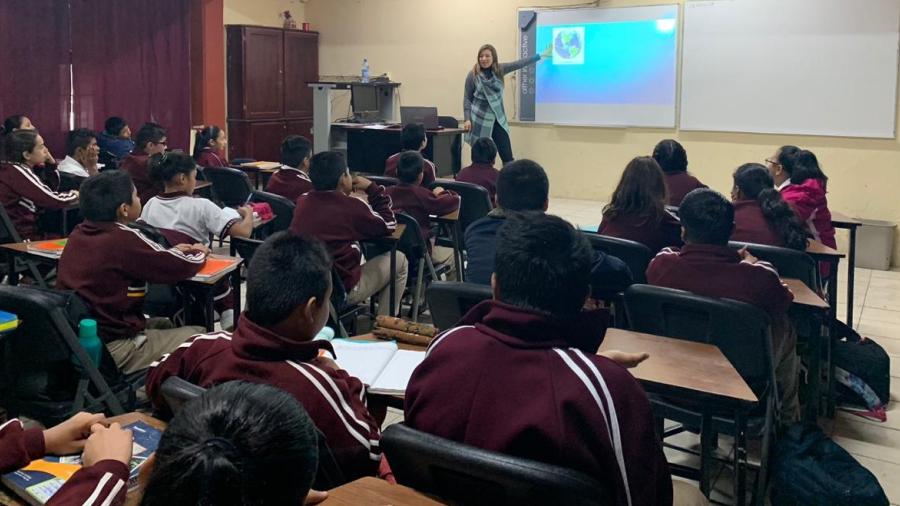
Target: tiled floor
(876, 315)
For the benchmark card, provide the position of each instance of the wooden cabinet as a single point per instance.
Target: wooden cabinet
(268, 98)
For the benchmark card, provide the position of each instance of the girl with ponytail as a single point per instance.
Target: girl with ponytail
(238, 443)
(761, 216)
(803, 186)
(209, 147)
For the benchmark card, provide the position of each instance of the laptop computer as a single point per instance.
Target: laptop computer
(427, 116)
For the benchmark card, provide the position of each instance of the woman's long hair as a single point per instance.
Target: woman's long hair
(495, 65)
(801, 164)
(203, 137)
(641, 192)
(755, 182)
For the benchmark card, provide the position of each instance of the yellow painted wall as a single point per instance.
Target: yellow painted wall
(429, 45)
(262, 12)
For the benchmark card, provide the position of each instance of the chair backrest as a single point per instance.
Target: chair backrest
(282, 207)
(245, 248)
(635, 255)
(231, 187)
(475, 202)
(448, 122)
(449, 301)
(8, 232)
(790, 263)
(176, 392)
(69, 181)
(383, 180)
(411, 243)
(742, 331)
(469, 475)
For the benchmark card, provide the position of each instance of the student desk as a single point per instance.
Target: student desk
(839, 220)
(372, 491)
(452, 222)
(822, 253)
(259, 170)
(133, 498)
(369, 146)
(202, 185)
(206, 286)
(809, 302)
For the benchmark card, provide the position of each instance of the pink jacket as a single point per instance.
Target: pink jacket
(808, 200)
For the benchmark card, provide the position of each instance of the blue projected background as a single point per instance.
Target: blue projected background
(630, 62)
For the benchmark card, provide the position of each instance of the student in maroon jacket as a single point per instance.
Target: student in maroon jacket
(521, 374)
(22, 192)
(109, 264)
(761, 216)
(637, 209)
(482, 171)
(150, 140)
(672, 159)
(292, 179)
(105, 459)
(288, 288)
(414, 139)
(707, 266)
(331, 215)
(210, 145)
(412, 198)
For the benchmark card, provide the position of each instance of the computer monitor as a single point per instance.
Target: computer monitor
(364, 98)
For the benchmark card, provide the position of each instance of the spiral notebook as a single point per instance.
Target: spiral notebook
(380, 365)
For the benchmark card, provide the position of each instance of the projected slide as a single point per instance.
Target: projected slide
(609, 67)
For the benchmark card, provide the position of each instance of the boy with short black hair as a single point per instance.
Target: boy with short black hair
(109, 264)
(482, 171)
(707, 266)
(82, 154)
(331, 215)
(288, 289)
(150, 140)
(522, 187)
(414, 139)
(292, 179)
(521, 374)
(412, 198)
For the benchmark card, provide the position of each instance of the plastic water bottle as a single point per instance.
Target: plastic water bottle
(87, 335)
(365, 70)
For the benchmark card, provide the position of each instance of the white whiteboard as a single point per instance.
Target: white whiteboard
(818, 67)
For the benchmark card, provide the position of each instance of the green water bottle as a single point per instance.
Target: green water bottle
(87, 335)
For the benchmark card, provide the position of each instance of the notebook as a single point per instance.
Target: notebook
(215, 266)
(51, 249)
(380, 365)
(43, 478)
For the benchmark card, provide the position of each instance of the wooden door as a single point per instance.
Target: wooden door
(301, 66)
(255, 73)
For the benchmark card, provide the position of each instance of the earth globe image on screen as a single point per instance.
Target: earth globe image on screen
(567, 44)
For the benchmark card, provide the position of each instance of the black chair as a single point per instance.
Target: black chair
(742, 332)
(450, 301)
(413, 245)
(383, 180)
(456, 145)
(231, 187)
(69, 181)
(790, 263)
(9, 234)
(339, 309)
(475, 202)
(176, 392)
(241, 161)
(635, 255)
(468, 475)
(46, 374)
(282, 207)
(245, 248)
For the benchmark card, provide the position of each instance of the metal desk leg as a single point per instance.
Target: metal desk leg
(208, 308)
(833, 289)
(815, 373)
(851, 274)
(457, 252)
(707, 444)
(393, 278)
(740, 459)
(236, 290)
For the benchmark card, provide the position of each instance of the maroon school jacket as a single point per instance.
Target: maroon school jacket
(289, 182)
(212, 158)
(482, 174)
(341, 221)
(636, 228)
(679, 185)
(419, 202)
(522, 383)
(23, 195)
(104, 482)
(334, 399)
(135, 164)
(718, 271)
(109, 265)
(428, 171)
(750, 225)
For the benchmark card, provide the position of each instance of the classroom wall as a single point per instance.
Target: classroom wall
(429, 45)
(262, 12)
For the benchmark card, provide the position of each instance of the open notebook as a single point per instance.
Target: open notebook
(378, 364)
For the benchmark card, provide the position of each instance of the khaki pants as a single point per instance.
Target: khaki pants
(137, 353)
(444, 255)
(787, 370)
(687, 494)
(376, 274)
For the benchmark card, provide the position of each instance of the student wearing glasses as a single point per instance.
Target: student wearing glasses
(150, 140)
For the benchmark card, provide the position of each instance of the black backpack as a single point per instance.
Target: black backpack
(863, 358)
(812, 470)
